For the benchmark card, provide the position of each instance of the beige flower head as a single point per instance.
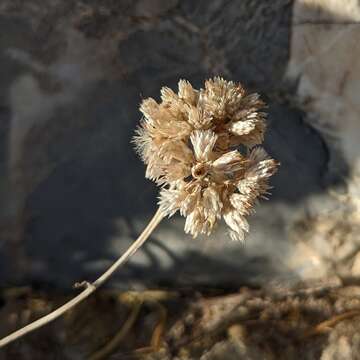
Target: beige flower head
(190, 143)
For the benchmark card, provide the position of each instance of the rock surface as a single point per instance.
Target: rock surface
(324, 62)
(74, 191)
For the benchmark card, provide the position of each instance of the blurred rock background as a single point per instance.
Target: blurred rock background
(73, 191)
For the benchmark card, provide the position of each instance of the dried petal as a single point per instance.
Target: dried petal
(150, 108)
(227, 165)
(176, 150)
(168, 96)
(170, 200)
(254, 137)
(190, 201)
(187, 92)
(211, 202)
(195, 222)
(197, 118)
(243, 127)
(203, 143)
(243, 203)
(237, 223)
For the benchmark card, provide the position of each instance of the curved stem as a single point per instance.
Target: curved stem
(89, 287)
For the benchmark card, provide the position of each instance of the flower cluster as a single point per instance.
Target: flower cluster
(201, 146)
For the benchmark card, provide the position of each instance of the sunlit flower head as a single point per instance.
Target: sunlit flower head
(201, 146)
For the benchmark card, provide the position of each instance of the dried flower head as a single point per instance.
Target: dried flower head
(190, 144)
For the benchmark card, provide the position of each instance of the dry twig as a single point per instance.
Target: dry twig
(89, 287)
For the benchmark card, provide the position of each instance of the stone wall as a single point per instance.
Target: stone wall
(73, 191)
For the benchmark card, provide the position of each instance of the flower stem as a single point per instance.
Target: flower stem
(89, 287)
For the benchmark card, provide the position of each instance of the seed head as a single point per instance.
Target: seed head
(190, 144)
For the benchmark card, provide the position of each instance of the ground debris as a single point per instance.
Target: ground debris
(311, 322)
